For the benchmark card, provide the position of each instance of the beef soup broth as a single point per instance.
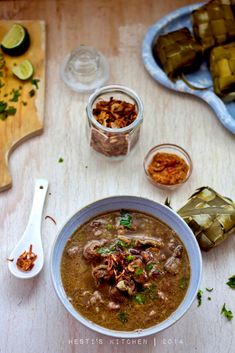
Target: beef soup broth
(125, 270)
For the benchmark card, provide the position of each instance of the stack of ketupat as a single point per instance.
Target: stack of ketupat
(213, 27)
(210, 216)
(178, 52)
(214, 24)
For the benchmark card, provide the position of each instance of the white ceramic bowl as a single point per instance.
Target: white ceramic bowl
(155, 209)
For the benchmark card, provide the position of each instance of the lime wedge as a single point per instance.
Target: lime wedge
(24, 70)
(16, 41)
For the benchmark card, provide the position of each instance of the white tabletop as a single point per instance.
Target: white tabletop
(31, 317)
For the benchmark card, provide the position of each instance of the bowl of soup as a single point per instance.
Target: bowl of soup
(126, 266)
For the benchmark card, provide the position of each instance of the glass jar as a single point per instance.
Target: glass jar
(114, 143)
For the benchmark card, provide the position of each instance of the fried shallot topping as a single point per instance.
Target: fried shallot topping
(25, 261)
(114, 113)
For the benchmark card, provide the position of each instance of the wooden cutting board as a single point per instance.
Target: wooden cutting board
(28, 120)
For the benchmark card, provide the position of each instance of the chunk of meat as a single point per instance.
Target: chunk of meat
(98, 222)
(90, 249)
(172, 244)
(178, 251)
(137, 263)
(140, 278)
(147, 256)
(149, 242)
(101, 272)
(73, 251)
(113, 306)
(116, 295)
(162, 295)
(96, 298)
(155, 272)
(126, 286)
(172, 265)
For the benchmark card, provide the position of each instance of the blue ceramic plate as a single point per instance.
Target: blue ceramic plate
(201, 78)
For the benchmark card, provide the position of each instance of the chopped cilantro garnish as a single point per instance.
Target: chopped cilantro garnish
(24, 103)
(35, 82)
(109, 227)
(122, 316)
(3, 106)
(183, 282)
(11, 110)
(138, 271)
(32, 93)
(227, 313)
(130, 258)
(5, 111)
(2, 84)
(121, 244)
(150, 292)
(104, 251)
(15, 95)
(139, 299)
(231, 282)
(149, 266)
(60, 160)
(199, 297)
(209, 298)
(126, 219)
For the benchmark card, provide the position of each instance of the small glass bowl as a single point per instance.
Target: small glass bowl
(168, 148)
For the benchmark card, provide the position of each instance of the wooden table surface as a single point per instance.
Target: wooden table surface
(31, 317)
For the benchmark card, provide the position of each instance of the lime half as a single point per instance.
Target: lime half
(16, 41)
(24, 70)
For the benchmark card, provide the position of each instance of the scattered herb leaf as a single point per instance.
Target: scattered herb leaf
(199, 297)
(5, 111)
(104, 251)
(11, 110)
(15, 95)
(3, 106)
(138, 271)
(122, 316)
(35, 82)
(231, 282)
(60, 160)
(126, 219)
(183, 282)
(130, 258)
(24, 103)
(227, 313)
(109, 227)
(122, 244)
(139, 299)
(209, 298)
(149, 267)
(32, 93)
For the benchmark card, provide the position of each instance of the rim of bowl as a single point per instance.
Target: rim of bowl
(175, 148)
(122, 89)
(168, 322)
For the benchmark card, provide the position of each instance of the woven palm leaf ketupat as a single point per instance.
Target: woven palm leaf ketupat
(210, 216)
(222, 68)
(214, 24)
(178, 53)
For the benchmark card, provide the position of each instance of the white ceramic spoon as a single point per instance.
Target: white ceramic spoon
(32, 234)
